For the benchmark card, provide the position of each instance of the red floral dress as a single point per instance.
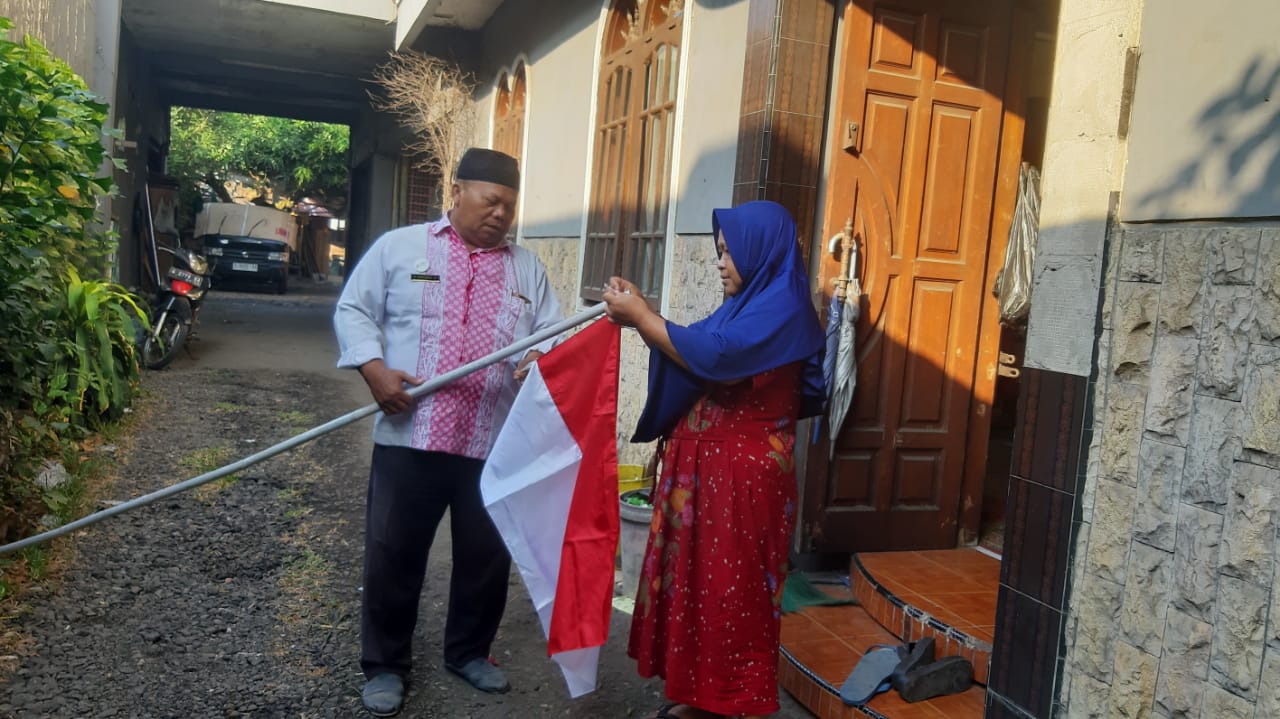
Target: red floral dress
(709, 605)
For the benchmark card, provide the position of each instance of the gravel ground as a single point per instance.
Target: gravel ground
(241, 598)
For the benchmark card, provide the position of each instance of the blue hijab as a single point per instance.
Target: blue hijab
(769, 323)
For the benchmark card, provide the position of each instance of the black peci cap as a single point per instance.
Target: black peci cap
(489, 166)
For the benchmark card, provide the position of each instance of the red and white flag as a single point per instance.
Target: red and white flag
(551, 486)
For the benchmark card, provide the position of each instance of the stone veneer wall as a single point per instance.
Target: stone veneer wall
(1174, 608)
(560, 256)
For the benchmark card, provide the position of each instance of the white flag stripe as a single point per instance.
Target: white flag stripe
(527, 486)
(579, 668)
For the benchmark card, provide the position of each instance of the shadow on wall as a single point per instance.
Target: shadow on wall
(1239, 132)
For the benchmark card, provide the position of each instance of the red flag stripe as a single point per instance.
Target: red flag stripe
(582, 378)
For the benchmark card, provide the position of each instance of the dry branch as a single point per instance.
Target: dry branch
(435, 101)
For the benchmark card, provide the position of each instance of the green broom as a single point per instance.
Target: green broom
(798, 592)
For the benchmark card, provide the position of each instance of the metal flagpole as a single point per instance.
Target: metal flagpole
(425, 388)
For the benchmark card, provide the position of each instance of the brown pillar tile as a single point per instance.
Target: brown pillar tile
(785, 81)
(755, 77)
(810, 20)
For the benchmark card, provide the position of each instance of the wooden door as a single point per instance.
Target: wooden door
(924, 81)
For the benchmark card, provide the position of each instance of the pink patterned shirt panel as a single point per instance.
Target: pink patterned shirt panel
(476, 317)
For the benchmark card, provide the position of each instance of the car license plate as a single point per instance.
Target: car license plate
(244, 267)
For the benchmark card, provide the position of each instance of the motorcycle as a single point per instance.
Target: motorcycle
(177, 307)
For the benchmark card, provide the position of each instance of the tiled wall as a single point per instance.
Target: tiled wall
(784, 97)
(1045, 478)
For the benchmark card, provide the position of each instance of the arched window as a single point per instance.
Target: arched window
(635, 131)
(508, 113)
(508, 120)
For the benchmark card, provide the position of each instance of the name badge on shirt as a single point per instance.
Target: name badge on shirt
(420, 272)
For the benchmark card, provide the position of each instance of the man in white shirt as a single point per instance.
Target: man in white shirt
(422, 301)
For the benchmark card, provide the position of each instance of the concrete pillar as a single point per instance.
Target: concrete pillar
(382, 200)
(106, 70)
(1083, 170)
(106, 52)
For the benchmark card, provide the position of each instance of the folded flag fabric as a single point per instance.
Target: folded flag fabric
(551, 487)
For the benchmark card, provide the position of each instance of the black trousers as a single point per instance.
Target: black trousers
(409, 491)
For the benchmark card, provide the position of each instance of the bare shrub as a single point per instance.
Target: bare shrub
(434, 100)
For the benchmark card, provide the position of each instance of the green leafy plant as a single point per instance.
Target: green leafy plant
(98, 368)
(66, 338)
(51, 131)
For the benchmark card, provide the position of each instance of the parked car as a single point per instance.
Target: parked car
(247, 244)
(248, 260)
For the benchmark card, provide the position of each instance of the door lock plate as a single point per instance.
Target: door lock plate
(850, 136)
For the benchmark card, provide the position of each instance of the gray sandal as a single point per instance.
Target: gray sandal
(870, 676)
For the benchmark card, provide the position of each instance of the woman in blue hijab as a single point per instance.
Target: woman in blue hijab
(725, 393)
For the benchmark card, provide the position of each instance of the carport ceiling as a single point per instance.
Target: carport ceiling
(259, 57)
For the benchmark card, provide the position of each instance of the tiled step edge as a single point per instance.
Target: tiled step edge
(815, 693)
(909, 623)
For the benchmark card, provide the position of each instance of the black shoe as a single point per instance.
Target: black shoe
(915, 654)
(948, 675)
